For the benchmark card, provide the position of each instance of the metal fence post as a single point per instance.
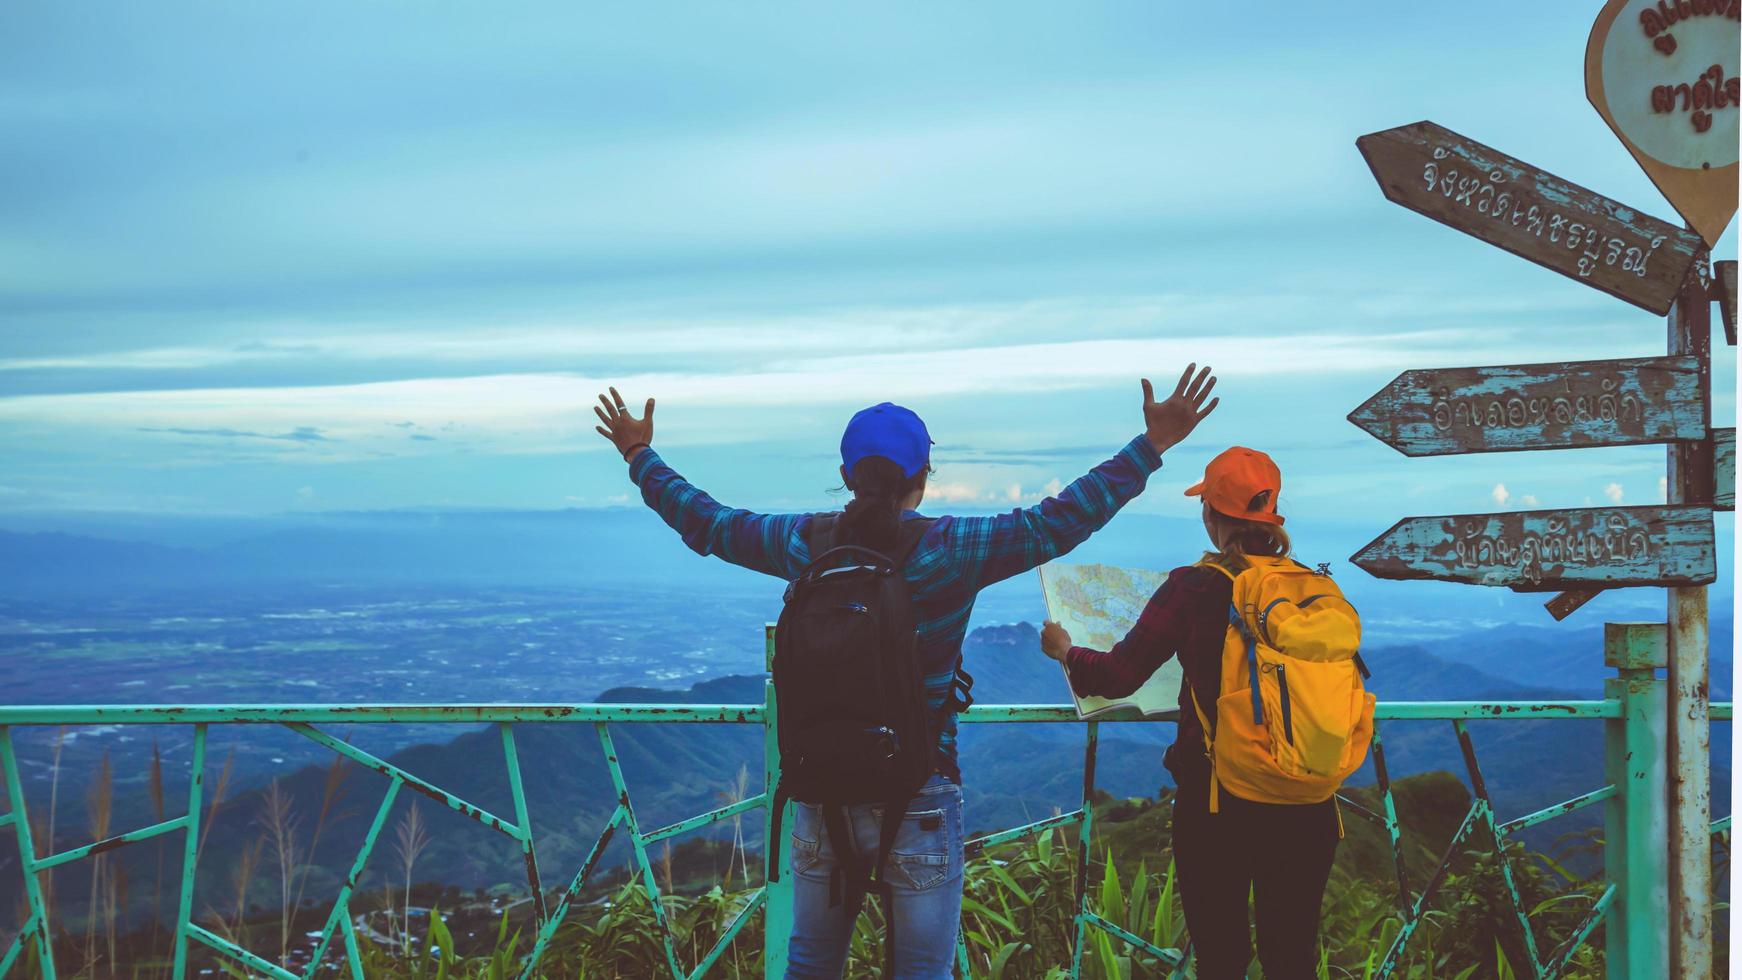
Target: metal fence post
(1091, 733)
(190, 852)
(1636, 824)
(777, 911)
(35, 928)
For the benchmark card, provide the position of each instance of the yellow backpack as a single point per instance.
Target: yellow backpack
(1293, 718)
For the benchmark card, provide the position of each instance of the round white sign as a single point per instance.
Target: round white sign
(1670, 71)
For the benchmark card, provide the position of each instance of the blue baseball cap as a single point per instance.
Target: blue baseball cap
(889, 431)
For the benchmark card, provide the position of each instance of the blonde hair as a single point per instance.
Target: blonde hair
(1238, 538)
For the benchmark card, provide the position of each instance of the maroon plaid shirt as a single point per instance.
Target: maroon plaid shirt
(1186, 618)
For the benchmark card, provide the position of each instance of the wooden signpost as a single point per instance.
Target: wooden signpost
(1449, 411)
(1664, 74)
(1582, 235)
(1531, 213)
(1550, 549)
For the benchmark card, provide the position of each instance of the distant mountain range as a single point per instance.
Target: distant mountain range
(62, 553)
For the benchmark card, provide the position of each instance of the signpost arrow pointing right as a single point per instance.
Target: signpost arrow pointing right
(1547, 550)
(1448, 411)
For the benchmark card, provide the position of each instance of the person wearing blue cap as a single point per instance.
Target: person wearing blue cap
(885, 460)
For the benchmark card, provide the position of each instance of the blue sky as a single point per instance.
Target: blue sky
(269, 258)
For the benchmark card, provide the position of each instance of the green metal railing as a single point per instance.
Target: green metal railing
(1633, 713)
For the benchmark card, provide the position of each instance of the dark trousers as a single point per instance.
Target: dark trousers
(1279, 854)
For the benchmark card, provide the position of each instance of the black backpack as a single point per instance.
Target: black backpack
(854, 726)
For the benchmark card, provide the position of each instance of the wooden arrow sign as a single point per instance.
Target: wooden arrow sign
(1531, 213)
(1448, 411)
(1551, 549)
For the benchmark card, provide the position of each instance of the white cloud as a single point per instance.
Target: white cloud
(1529, 500)
(1501, 494)
(954, 493)
(539, 412)
(1613, 492)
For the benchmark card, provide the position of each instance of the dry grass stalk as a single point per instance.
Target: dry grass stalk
(410, 841)
(240, 877)
(219, 789)
(735, 792)
(45, 841)
(280, 825)
(332, 790)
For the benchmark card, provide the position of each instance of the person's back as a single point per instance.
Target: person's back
(885, 461)
(1254, 815)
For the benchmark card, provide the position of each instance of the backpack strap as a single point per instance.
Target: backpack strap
(848, 863)
(1238, 622)
(781, 797)
(1209, 747)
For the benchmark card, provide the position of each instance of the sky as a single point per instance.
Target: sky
(264, 259)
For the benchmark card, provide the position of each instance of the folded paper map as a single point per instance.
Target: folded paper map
(1097, 605)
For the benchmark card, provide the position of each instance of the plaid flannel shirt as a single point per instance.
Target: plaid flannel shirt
(957, 558)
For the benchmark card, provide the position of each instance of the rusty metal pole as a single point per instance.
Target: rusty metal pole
(1690, 735)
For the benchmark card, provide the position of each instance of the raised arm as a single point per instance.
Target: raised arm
(769, 543)
(995, 548)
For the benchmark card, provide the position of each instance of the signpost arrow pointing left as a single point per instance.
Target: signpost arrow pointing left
(1448, 411)
(1532, 213)
(1611, 547)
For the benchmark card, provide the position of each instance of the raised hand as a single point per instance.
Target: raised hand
(1167, 423)
(629, 434)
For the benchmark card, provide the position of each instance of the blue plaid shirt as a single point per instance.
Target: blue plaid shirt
(957, 558)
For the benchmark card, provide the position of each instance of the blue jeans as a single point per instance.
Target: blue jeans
(924, 875)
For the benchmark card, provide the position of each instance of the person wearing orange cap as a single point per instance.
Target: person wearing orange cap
(1278, 853)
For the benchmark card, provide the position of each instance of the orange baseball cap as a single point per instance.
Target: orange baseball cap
(1242, 483)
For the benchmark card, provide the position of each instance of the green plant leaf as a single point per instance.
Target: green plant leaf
(1008, 882)
(974, 906)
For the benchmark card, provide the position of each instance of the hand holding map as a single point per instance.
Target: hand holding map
(1055, 640)
(1095, 606)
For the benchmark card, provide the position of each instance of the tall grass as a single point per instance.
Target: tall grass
(736, 792)
(332, 791)
(1017, 911)
(410, 839)
(45, 879)
(219, 790)
(279, 826)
